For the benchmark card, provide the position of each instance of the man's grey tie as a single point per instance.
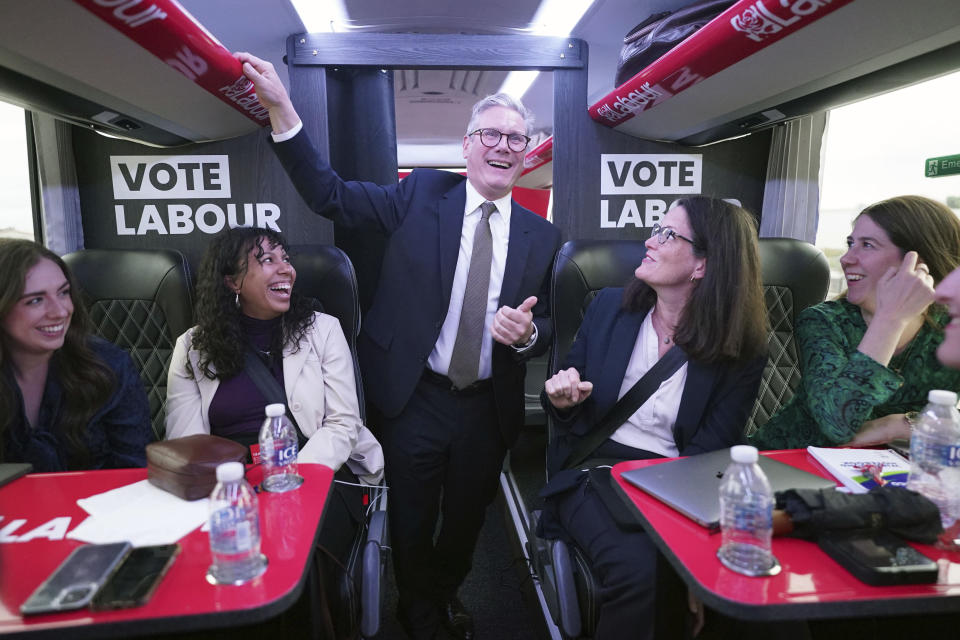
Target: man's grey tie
(465, 360)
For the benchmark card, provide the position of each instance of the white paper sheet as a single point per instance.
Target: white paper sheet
(141, 513)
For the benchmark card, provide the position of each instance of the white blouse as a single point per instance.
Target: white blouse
(651, 426)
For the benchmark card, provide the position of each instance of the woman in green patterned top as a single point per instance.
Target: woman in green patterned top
(869, 357)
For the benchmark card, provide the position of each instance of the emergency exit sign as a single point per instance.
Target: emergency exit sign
(943, 166)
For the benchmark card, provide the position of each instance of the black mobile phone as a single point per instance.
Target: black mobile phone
(74, 583)
(879, 557)
(135, 579)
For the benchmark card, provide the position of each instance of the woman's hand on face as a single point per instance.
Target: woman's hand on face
(905, 291)
(565, 389)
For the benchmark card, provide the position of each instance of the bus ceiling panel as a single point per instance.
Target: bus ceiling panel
(697, 90)
(436, 51)
(64, 46)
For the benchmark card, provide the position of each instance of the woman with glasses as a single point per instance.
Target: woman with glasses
(697, 289)
(869, 357)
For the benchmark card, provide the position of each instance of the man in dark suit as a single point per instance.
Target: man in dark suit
(460, 305)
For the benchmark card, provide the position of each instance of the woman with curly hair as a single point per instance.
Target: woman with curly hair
(245, 299)
(68, 400)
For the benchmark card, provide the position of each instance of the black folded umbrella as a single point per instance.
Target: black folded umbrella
(901, 511)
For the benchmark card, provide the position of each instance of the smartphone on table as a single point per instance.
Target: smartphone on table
(74, 583)
(135, 580)
(879, 557)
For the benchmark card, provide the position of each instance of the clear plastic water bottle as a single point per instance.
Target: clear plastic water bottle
(935, 454)
(746, 515)
(234, 528)
(278, 451)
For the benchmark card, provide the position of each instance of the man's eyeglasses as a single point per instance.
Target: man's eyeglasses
(491, 138)
(665, 233)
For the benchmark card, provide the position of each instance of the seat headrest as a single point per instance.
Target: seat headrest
(326, 274)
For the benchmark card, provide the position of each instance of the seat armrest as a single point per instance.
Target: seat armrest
(569, 605)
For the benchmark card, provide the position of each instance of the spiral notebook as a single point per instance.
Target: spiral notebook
(692, 485)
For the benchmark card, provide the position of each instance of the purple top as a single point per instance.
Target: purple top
(236, 411)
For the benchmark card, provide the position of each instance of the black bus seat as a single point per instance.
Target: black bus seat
(795, 275)
(325, 274)
(581, 269)
(140, 300)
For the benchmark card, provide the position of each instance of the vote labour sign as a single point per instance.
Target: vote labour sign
(637, 189)
(169, 182)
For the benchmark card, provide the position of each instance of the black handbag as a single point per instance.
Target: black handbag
(661, 32)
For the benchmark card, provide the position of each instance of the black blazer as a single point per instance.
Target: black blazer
(422, 218)
(714, 406)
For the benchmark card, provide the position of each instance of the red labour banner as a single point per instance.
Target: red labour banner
(739, 32)
(166, 30)
(539, 156)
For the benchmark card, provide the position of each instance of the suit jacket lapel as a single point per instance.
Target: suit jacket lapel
(693, 401)
(293, 364)
(619, 349)
(517, 251)
(450, 211)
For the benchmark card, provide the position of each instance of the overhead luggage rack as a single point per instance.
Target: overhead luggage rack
(538, 166)
(764, 61)
(142, 71)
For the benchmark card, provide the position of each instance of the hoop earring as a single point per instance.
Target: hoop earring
(692, 279)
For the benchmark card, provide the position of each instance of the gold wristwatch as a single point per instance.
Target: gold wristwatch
(911, 418)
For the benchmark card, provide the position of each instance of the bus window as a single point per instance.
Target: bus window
(16, 215)
(876, 149)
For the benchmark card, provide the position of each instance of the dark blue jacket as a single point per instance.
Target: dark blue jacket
(714, 406)
(422, 217)
(116, 436)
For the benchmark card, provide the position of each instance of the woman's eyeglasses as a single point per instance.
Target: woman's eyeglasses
(665, 233)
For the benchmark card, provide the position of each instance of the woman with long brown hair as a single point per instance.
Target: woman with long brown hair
(869, 358)
(698, 288)
(68, 399)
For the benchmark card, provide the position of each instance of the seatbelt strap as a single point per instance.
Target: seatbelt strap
(627, 405)
(270, 388)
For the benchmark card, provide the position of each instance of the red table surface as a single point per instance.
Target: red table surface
(810, 584)
(184, 599)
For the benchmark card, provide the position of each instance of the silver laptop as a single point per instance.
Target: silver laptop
(10, 471)
(692, 485)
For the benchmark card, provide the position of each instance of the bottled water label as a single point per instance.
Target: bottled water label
(244, 538)
(286, 455)
(278, 456)
(280, 466)
(231, 530)
(751, 517)
(931, 454)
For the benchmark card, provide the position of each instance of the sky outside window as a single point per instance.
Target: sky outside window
(876, 149)
(16, 217)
